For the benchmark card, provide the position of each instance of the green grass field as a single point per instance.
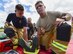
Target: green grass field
(1, 30)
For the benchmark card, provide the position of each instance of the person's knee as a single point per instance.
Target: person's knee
(9, 32)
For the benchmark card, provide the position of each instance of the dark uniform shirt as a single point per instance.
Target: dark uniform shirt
(17, 22)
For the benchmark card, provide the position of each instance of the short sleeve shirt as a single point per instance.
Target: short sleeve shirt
(17, 22)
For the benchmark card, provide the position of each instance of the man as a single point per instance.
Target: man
(30, 28)
(46, 24)
(19, 23)
(34, 27)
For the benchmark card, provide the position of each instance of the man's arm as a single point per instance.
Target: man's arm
(8, 20)
(65, 16)
(25, 36)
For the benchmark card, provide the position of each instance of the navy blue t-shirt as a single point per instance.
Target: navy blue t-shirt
(17, 22)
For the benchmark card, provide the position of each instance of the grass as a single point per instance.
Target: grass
(1, 30)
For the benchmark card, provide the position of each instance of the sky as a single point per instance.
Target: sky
(8, 6)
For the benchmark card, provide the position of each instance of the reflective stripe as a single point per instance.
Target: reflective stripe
(59, 46)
